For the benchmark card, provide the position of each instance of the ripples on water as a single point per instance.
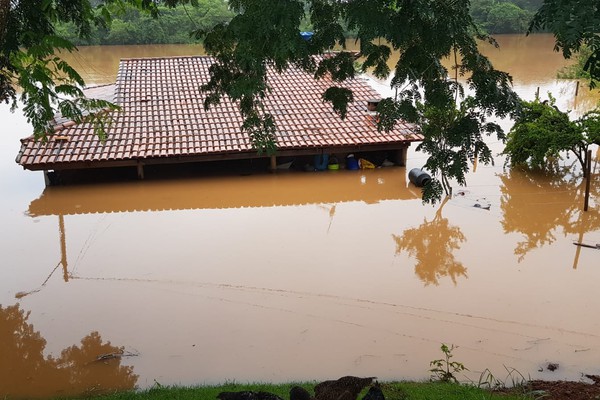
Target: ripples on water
(294, 276)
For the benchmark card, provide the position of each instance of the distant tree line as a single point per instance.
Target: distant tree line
(504, 16)
(131, 25)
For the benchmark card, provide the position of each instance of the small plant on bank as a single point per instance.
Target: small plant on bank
(445, 370)
(488, 381)
(514, 380)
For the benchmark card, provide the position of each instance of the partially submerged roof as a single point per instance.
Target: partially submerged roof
(100, 92)
(162, 117)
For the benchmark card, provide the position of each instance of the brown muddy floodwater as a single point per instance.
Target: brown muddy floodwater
(309, 276)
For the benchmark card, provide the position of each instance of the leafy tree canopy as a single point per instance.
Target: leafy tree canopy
(590, 125)
(507, 18)
(501, 17)
(266, 33)
(574, 23)
(542, 132)
(28, 47)
(130, 25)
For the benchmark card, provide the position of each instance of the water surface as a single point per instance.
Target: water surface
(277, 277)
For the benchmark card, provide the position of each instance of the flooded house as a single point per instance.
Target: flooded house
(162, 121)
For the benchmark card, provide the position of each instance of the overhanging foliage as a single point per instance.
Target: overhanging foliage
(266, 32)
(574, 23)
(542, 132)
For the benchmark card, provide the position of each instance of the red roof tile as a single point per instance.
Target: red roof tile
(162, 115)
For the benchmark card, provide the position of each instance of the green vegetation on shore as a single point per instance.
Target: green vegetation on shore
(391, 390)
(577, 69)
(130, 25)
(510, 16)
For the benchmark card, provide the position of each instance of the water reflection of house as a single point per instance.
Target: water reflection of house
(265, 190)
(163, 121)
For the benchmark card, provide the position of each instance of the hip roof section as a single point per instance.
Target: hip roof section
(162, 115)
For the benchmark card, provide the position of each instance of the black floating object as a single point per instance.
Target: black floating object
(418, 177)
(345, 388)
(299, 393)
(374, 393)
(248, 395)
(552, 367)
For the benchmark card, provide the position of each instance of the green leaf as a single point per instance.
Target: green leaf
(339, 98)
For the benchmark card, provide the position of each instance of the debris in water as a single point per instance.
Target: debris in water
(552, 367)
(470, 200)
(20, 295)
(482, 203)
(118, 354)
(589, 246)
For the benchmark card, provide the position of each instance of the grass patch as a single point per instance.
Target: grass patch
(391, 390)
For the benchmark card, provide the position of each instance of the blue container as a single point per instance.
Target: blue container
(351, 163)
(306, 35)
(321, 162)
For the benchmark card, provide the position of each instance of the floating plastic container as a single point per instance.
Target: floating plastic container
(333, 163)
(351, 163)
(306, 35)
(418, 177)
(321, 161)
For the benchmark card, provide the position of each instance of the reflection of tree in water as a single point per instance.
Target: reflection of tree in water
(25, 371)
(539, 205)
(432, 244)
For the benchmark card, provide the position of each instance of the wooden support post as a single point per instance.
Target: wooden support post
(578, 251)
(51, 178)
(140, 171)
(402, 156)
(47, 179)
(273, 163)
(585, 162)
(588, 167)
(63, 247)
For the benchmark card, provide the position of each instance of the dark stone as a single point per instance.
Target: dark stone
(345, 388)
(374, 393)
(248, 395)
(299, 393)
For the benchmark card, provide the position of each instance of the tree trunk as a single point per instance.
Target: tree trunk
(580, 154)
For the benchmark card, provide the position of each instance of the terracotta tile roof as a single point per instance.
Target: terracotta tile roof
(162, 115)
(101, 92)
